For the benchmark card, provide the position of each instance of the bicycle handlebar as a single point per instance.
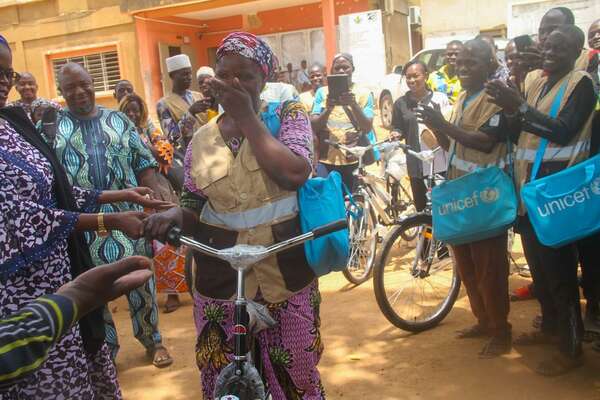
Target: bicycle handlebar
(386, 145)
(330, 228)
(242, 255)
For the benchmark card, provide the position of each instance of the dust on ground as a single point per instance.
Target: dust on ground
(368, 358)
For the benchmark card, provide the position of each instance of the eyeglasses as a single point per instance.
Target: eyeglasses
(9, 74)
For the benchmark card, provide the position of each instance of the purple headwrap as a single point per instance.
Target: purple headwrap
(252, 47)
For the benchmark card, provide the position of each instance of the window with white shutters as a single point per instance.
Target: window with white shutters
(102, 66)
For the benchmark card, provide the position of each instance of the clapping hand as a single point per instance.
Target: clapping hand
(431, 117)
(504, 96)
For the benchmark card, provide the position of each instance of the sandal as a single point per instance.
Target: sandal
(558, 365)
(535, 338)
(476, 331)
(160, 356)
(496, 346)
(172, 305)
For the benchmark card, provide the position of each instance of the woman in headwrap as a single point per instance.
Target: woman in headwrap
(242, 172)
(347, 120)
(136, 109)
(41, 248)
(168, 262)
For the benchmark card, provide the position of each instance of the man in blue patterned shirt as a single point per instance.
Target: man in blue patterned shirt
(100, 149)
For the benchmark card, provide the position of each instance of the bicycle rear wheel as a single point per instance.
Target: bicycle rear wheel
(415, 288)
(363, 241)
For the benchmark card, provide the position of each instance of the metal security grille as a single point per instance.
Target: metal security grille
(103, 67)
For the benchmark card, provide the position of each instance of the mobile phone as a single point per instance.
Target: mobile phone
(523, 42)
(337, 84)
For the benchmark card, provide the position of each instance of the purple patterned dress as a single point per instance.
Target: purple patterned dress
(34, 262)
(292, 349)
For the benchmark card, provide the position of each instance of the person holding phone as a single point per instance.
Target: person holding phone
(342, 113)
(202, 110)
(406, 127)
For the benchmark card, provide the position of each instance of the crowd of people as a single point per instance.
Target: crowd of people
(85, 185)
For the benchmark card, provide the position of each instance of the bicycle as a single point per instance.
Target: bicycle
(241, 380)
(377, 202)
(428, 285)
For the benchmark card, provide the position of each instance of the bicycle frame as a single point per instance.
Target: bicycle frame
(242, 258)
(369, 184)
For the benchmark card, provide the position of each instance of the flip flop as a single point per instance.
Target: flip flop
(496, 346)
(476, 331)
(159, 361)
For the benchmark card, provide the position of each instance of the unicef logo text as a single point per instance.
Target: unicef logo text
(487, 196)
(570, 200)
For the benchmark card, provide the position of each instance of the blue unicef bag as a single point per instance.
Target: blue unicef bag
(476, 206)
(563, 207)
(321, 201)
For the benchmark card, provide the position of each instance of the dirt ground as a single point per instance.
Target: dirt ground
(367, 358)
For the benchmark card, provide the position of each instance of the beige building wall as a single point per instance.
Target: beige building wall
(37, 29)
(451, 15)
(456, 17)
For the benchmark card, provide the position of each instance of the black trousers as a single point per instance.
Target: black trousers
(346, 171)
(589, 257)
(554, 273)
(419, 192)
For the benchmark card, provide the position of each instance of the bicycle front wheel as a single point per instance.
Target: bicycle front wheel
(416, 283)
(363, 241)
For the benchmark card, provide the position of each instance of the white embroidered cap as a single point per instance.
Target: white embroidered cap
(178, 62)
(205, 71)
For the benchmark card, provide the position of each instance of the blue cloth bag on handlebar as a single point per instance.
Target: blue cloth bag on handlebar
(321, 201)
(476, 206)
(563, 207)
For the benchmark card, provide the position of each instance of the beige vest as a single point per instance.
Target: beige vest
(243, 198)
(577, 150)
(339, 126)
(178, 106)
(466, 159)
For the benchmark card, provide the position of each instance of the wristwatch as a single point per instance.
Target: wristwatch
(101, 227)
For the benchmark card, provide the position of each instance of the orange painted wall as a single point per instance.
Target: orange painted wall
(274, 21)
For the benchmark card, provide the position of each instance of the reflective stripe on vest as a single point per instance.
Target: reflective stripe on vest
(468, 166)
(251, 218)
(554, 153)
